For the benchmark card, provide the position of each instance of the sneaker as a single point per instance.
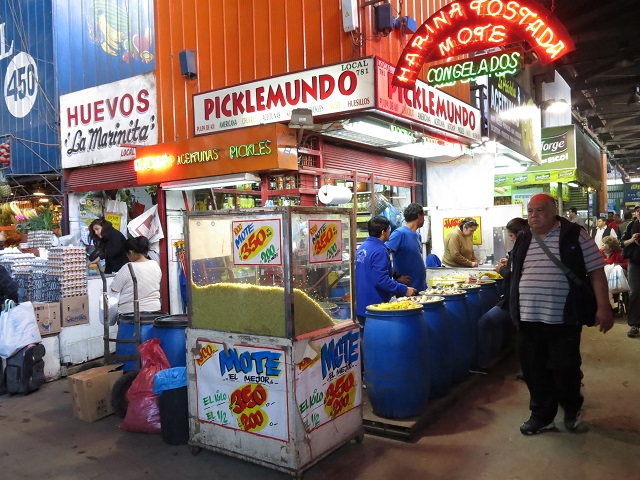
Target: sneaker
(572, 422)
(634, 332)
(534, 426)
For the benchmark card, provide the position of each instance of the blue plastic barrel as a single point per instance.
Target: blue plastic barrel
(475, 310)
(499, 286)
(396, 355)
(170, 330)
(126, 331)
(455, 305)
(489, 293)
(344, 309)
(439, 334)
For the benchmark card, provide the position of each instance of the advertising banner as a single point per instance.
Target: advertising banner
(558, 149)
(243, 388)
(104, 124)
(257, 242)
(326, 386)
(632, 193)
(327, 90)
(535, 178)
(425, 104)
(450, 224)
(28, 112)
(514, 118)
(325, 243)
(103, 41)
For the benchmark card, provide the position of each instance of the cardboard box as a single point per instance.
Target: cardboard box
(91, 392)
(48, 317)
(74, 310)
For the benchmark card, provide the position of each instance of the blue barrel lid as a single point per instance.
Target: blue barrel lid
(171, 321)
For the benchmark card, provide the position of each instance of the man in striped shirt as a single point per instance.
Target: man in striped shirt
(549, 311)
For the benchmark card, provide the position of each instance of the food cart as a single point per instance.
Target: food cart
(272, 377)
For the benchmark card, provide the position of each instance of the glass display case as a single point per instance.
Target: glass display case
(273, 367)
(269, 272)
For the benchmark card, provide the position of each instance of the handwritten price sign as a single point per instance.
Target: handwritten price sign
(340, 395)
(325, 241)
(257, 242)
(246, 404)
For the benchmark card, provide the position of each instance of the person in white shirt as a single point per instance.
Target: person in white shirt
(602, 230)
(148, 277)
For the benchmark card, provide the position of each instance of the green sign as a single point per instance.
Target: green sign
(535, 178)
(558, 149)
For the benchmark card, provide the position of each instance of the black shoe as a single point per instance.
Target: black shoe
(534, 426)
(479, 370)
(572, 422)
(520, 376)
(634, 332)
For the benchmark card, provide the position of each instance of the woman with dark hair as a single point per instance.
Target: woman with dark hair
(458, 247)
(109, 244)
(492, 325)
(148, 276)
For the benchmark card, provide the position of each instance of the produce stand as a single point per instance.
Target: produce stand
(272, 378)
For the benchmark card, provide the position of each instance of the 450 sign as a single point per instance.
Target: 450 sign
(20, 86)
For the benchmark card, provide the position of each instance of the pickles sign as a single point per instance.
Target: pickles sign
(257, 242)
(325, 241)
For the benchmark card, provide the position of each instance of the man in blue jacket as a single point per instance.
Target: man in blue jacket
(374, 279)
(406, 244)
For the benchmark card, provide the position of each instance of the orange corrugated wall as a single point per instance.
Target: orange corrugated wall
(238, 41)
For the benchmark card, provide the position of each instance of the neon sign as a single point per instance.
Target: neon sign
(494, 64)
(251, 150)
(466, 26)
(157, 162)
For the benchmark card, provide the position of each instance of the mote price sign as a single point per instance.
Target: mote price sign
(257, 242)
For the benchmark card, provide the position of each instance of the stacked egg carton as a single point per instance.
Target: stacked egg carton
(69, 266)
(44, 287)
(39, 238)
(22, 272)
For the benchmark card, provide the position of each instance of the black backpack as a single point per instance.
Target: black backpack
(25, 370)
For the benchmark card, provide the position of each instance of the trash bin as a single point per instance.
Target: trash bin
(171, 387)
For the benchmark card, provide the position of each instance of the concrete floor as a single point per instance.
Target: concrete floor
(477, 437)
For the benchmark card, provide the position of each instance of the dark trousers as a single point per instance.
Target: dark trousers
(550, 360)
(633, 313)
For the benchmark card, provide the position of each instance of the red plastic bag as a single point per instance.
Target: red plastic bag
(143, 413)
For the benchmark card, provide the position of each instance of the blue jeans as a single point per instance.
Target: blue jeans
(491, 327)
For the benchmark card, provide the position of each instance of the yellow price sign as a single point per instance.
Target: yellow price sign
(450, 224)
(114, 219)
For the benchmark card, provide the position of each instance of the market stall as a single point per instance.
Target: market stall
(273, 378)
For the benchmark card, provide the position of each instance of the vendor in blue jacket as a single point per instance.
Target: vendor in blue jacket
(405, 244)
(374, 276)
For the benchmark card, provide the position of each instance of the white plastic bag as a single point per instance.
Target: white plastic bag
(112, 308)
(18, 327)
(616, 278)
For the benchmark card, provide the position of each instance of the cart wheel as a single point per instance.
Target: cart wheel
(195, 450)
(119, 393)
(360, 438)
